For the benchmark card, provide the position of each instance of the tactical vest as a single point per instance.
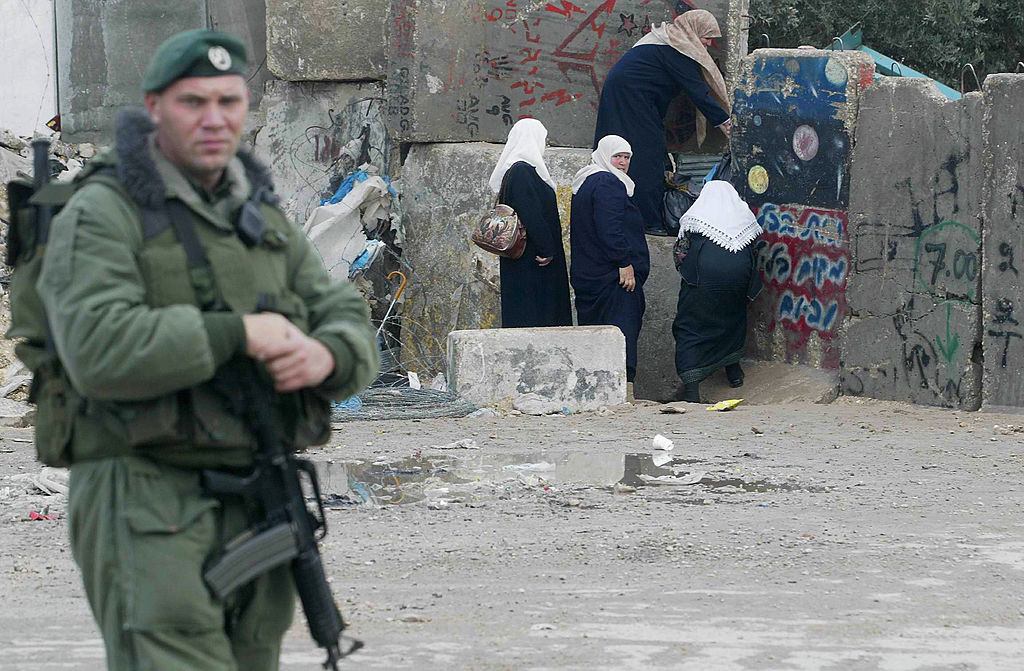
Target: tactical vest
(182, 261)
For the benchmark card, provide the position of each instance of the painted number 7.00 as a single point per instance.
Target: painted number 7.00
(936, 272)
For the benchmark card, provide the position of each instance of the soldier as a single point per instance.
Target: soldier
(171, 259)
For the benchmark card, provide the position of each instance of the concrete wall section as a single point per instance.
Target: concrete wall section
(1002, 282)
(452, 283)
(103, 48)
(576, 369)
(915, 231)
(465, 70)
(248, 20)
(28, 65)
(795, 113)
(314, 134)
(656, 351)
(325, 40)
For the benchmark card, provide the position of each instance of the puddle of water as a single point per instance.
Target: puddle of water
(466, 478)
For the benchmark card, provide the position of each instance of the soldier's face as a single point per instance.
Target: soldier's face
(200, 122)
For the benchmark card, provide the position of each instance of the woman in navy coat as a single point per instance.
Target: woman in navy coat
(610, 261)
(670, 60)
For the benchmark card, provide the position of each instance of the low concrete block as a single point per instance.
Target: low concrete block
(580, 368)
(326, 40)
(313, 135)
(15, 414)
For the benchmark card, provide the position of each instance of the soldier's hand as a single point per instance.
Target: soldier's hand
(306, 365)
(268, 335)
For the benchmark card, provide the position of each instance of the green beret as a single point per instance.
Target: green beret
(194, 53)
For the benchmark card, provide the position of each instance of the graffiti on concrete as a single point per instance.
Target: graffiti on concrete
(1003, 325)
(504, 60)
(804, 263)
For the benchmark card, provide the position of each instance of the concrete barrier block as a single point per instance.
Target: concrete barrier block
(915, 235)
(578, 368)
(325, 40)
(463, 70)
(314, 134)
(1002, 282)
(248, 20)
(452, 283)
(796, 111)
(656, 377)
(104, 46)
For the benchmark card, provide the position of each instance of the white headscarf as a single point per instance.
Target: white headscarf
(525, 143)
(601, 161)
(721, 215)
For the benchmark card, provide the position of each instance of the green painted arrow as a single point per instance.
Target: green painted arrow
(952, 343)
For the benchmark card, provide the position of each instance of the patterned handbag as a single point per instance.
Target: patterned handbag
(499, 231)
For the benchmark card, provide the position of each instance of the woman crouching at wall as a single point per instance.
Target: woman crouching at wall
(720, 278)
(610, 260)
(534, 287)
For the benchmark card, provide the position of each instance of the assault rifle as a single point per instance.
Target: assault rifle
(289, 531)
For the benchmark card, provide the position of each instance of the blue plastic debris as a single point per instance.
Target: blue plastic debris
(349, 182)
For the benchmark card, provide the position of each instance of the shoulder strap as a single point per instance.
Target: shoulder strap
(177, 215)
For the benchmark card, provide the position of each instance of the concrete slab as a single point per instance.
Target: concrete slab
(248, 20)
(28, 65)
(915, 238)
(452, 283)
(462, 70)
(656, 377)
(103, 48)
(1002, 285)
(796, 111)
(578, 368)
(326, 40)
(314, 134)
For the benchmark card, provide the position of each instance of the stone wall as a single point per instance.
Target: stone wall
(466, 70)
(795, 113)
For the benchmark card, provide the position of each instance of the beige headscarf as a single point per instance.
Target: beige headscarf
(684, 35)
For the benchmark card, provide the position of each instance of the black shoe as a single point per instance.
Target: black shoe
(735, 375)
(691, 392)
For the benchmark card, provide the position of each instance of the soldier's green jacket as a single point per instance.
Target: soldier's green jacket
(125, 318)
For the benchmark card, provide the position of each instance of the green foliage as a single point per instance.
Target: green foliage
(935, 37)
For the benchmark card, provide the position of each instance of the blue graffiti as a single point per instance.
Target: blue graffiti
(821, 268)
(774, 219)
(773, 261)
(817, 316)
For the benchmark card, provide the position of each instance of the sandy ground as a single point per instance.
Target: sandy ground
(852, 536)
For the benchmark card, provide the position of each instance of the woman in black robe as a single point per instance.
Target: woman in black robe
(670, 60)
(720, 278)
(534, 287)
(610, 260)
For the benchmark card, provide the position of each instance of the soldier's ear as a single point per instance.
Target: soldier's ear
(152, 101)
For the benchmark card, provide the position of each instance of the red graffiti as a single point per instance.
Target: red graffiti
(566, 10)
(561, 96)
